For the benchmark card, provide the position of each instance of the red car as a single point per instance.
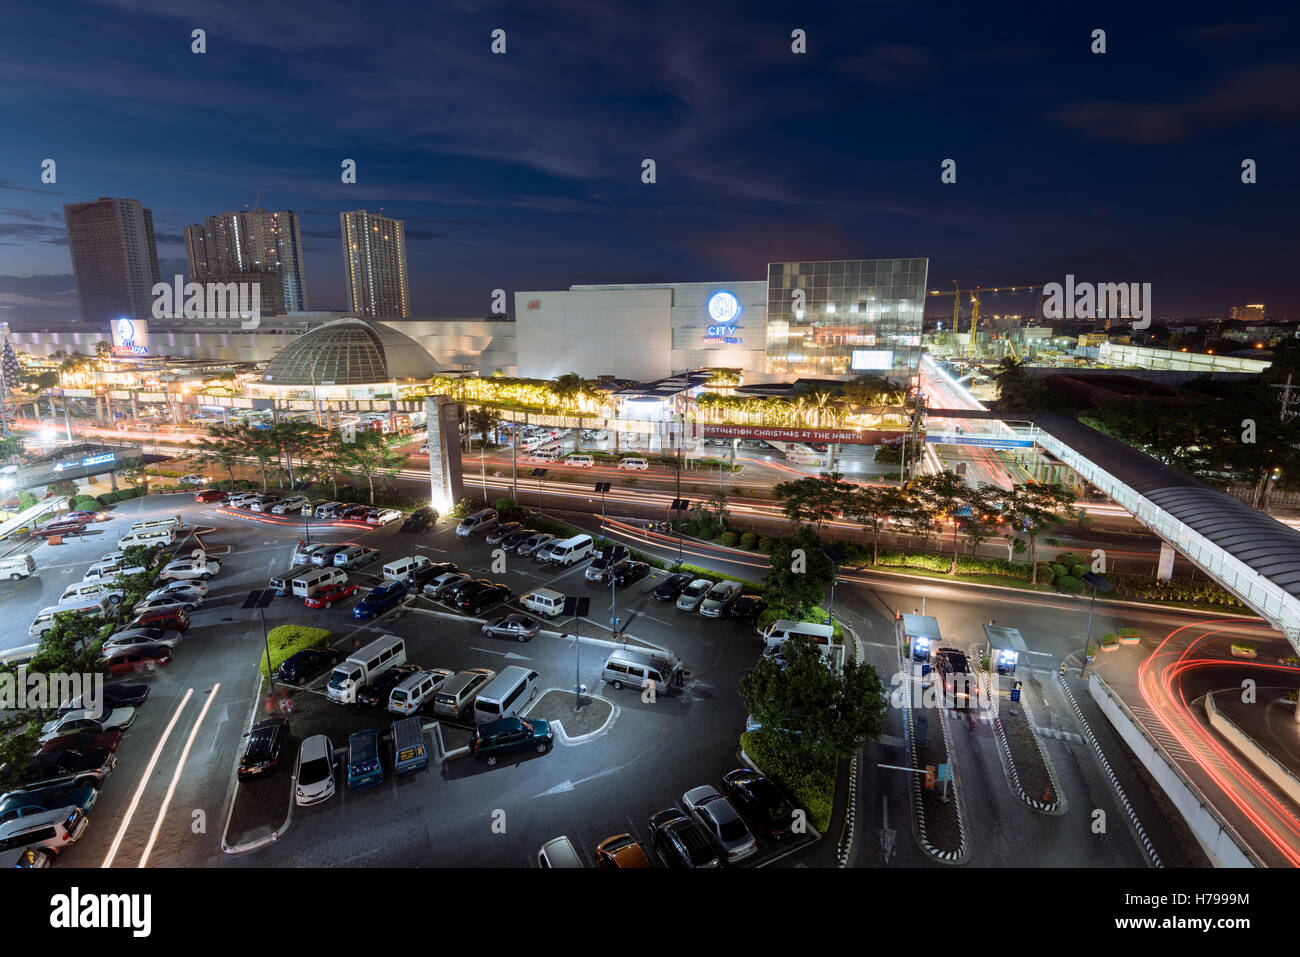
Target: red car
(60, 528)
(329, 594)
(84, 741)
(134, 660)
(83, 516)
(176, 619)
(209, 495)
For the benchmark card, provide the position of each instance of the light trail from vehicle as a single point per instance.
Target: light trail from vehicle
(176, 777)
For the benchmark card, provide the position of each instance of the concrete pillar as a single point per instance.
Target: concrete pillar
(1165, 569)
(446, 481)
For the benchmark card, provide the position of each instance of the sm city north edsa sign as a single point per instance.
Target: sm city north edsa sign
(130, 337)
(841, 436)
(723, 308)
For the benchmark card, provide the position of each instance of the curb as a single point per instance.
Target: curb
(561, 735)
(1119, 789)
(1009, 763)
(288, 818)
(848, 833)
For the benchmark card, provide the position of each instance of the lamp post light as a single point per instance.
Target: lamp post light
(836, 555)
(540, 475)
(679, 505)
(602, 488)
(1098, 584)
(578, 607)
(259, 599)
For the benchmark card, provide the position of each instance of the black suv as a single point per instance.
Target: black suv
(262, 753)
(672, 586)
(760, 802)
(628, 572)
(476, 599)
(419, 577)
(680, 841)
(297, 668)
(375, 694)
(65, 766)
(747, 608)
(954, 671)
(513, 540)
(499, 534)
(423, 517)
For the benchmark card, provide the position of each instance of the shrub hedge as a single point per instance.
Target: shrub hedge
(748, 541)
(809, 781)
(1070, 585)
(728, 539)
(287, 640)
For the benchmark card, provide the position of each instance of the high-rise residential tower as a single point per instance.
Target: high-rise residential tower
(374, 254)
(250, 241)
(114, 257)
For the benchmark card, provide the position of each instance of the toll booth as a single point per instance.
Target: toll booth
(922, 633)
(1005, 647)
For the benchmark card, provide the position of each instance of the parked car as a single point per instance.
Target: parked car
(81, 515)
(355, 513)
(621, 851)
(299, 667)
(453, 592)
(66, 767)
(356, 556)
(499, 739)
(761, 802)
(209, 495)
(693, 594)
(610, 555)
(499, 532)
(747, 608)
(672, 586)
(328, 595)
(114, 696)
(530, 545)
(265, 503)
(424, 517)
(191, 588)
(324, 556)
(263, 748)
(628, 572)
(375, 694)
(16, 804)
(519, 627)
(85, 741)
(422, 575)
(718, 600)
(379, 599)
(60, 528)
(194, 479)
(329, 509)
(303, 553)
(175, 620)
(135, 637)
(680, 841)
(364, 767)
(293, 505)
(721, 821)
(440, 586)
(473, 600)
(558, 853)
(137, 659)
(315, 771)
(383, 516)
(515, 539)
(96, 722)
(165, 602)
(186, 568)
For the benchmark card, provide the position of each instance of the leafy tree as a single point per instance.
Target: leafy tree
(132, 471)
(371, 455)
(810, 706)
(260, 444)
(797, 582)
(295, 440)
(888, 455)
(221, 448)
(945, 495)
(813, 500)
(874, 506)
(11, 445)
(1034, 509)
(483, 420)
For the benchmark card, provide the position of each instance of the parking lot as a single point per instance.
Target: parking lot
(460, 813)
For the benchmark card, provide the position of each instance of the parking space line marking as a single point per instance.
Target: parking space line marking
(176, 777)
(144, 780)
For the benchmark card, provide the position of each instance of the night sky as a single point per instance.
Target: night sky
(523, 171)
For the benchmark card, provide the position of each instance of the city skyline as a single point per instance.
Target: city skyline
(524, 170)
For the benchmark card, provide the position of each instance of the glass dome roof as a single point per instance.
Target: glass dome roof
(350, 352)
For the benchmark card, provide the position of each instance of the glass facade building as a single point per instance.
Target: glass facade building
(846, 318)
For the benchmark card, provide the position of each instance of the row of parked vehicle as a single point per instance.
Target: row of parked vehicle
(298, 505)
(49, 810)
(716, 828)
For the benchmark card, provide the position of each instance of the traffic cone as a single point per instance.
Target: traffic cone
(1047, 794)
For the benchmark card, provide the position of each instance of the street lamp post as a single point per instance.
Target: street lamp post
(540, 475)
(1098, 584)
(679, 505)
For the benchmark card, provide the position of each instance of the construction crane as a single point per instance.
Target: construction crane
(975, 293)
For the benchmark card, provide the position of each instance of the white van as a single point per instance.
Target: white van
(363, 666)
(173, 523)
(44, 620)
(634, 464)
(400, 570)
(108, 570)
(545, 455)
(580, 461)
(626, 667)
(308, 582)
(779, 632)
(17, 566)
(571, 550)
(506, 695)
(414, 690)
(544, 601)
(91, 589)
(478, 522)
(147, 536)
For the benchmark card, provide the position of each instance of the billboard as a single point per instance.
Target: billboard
(981, 441)
(130, 337)
(842, 436)
(873, 359)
